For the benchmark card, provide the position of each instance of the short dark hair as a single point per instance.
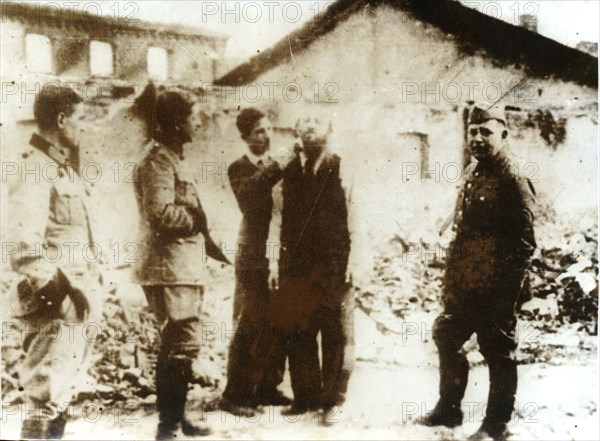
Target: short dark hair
(51, 101)
(247, 120)
(173, 106)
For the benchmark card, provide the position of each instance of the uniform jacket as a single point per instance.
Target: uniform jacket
(49, 239)
(494, 235)
(172, 248)
(253, 188)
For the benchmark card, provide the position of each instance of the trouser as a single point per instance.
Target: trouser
(497, 342)
(57, 345)
(327, 386)
(177, 309)
(256, 361)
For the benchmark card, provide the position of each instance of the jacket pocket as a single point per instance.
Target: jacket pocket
(68, 207)
(185, 193)
(61, 209)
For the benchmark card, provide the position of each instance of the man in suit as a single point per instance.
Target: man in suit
(315, 247)
(174, 240)
(58, 283)
(257, 354)
(483, 283)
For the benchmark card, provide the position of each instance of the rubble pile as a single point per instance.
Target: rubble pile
(125, 349)
(562, 280)
(126, 357)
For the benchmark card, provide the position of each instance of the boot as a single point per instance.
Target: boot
(35, 428)
(190, 429)
(490, 430)
(273, 398)
(171, 390)
(298, 408)
(449, 415)
(56, 428)
(241, 408)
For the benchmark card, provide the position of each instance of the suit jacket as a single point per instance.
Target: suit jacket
(314, 225)
(172, 250)
(253, 188)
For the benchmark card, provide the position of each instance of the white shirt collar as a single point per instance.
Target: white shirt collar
(254, 159)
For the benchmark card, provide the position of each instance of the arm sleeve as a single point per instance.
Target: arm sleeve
(159, 199)
(29, 208)
(352, 263)
(525, 216)
(517, 224)
(244, 185)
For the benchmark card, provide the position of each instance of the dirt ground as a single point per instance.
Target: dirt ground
(394, 381)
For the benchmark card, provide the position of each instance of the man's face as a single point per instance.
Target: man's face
(71, 127)
(259, 140)
(314, 133)
(192, 123)
(485, 139)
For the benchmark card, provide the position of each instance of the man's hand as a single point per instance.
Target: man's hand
(283, 155)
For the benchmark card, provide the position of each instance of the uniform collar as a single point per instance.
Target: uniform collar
(57, 154)
(495, 159)
(174, 156)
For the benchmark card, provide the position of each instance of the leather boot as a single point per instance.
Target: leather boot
(56, 428)
(35, 428)
(171, 388)
(448, 415)
(189, 376)
(171, 398)
(490, 430)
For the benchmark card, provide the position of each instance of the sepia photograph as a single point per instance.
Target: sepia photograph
(291, 220)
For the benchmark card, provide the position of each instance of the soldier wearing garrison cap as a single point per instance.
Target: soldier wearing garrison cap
(483, 282)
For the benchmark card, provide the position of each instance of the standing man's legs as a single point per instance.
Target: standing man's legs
(336, 323)
(497, 342)
(177, 309)
(255, 356)
(240, 367)
(333, 345)
(272, 355)
(450, 331)
(57, 354)
(303, 353)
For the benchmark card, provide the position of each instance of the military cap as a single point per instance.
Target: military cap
(482, 113)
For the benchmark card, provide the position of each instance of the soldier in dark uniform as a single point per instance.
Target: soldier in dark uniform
(485, 270)
(257, 355)
(315, 248)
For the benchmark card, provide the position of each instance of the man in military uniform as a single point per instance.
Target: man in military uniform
(315, 248)
(174, 237)
(58, 283)
(484, 276)
(257, 354)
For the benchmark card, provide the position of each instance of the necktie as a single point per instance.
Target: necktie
(309, 167)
